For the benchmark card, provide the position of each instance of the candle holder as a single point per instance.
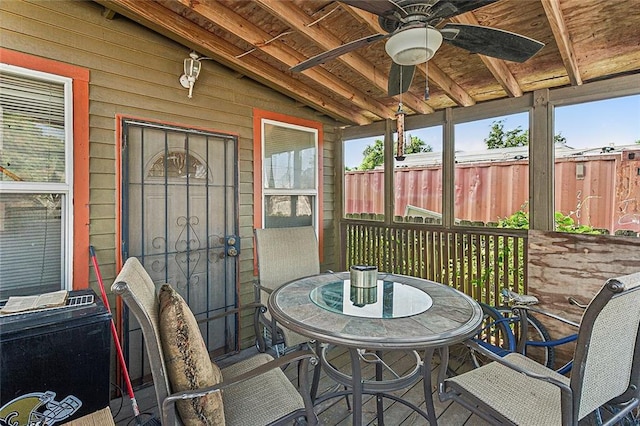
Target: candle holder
(364, 276)
(361, 296)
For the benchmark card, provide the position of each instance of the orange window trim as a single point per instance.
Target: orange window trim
(258, 116)
(80, 77)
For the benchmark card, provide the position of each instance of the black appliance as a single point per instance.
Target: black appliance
(55, 363)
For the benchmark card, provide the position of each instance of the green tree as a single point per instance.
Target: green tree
(559, 139)
(501, 138)
(374, 154)
(416, 145)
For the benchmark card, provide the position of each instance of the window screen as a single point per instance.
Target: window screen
(290, 180)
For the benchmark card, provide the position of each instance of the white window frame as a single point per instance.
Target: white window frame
(271, 191)
(64, 188)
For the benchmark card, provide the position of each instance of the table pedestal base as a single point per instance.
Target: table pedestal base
(379, 387)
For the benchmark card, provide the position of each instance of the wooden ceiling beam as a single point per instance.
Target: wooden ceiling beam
(366, 18)
(230, 21)
(563, 40)
(496, 66)
(178, 28)
(453, 90)
(298, 20)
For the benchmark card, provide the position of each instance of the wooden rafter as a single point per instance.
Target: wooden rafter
(230, 21)
(262, 39)
(497, 67)
(563, 40)
(296, 19)
(447, 84)
(180, 29)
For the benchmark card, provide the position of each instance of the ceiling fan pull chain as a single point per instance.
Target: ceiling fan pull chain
(426, 81)
(400, 125)
(426, 69)
(400, 87)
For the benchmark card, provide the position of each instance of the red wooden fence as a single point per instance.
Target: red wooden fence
(602, 191)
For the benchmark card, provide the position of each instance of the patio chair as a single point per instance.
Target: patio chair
(606, 370)
(284, 254)
(254, 391)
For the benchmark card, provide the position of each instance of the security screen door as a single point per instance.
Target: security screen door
(179, 218)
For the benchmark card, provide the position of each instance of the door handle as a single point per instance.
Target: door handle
(232, 245)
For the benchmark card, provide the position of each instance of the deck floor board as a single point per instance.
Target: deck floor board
(334, 412)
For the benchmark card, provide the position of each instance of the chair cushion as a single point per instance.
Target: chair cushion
(187, 360)
(270, 395)
(523, 400)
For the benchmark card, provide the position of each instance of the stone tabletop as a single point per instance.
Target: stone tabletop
(452, 317)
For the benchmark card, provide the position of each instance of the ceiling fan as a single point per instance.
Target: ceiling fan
(413, 37)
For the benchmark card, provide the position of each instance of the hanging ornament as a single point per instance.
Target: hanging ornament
(400, 130)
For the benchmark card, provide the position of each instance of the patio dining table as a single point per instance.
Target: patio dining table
(399, 313)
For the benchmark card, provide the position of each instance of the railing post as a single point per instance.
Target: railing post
(476, 261)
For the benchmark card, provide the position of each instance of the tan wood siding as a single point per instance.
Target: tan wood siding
(134, 72)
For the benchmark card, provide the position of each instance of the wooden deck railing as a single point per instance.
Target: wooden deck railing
(477, 261)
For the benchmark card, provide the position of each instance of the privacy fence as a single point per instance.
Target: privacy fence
(602, 191)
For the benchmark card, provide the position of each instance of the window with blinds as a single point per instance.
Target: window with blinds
(289, 175)
(35, 182)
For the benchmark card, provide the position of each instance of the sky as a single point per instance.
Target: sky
(587, 125)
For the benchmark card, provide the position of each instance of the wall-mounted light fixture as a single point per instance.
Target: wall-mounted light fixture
(192, 68)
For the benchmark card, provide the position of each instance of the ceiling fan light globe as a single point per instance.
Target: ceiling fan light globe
(412, 56)
(413, 46)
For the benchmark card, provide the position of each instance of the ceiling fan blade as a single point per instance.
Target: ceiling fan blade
(400, 77)
(385, 8)
(491, 42)
(447, 8)
(340, 50)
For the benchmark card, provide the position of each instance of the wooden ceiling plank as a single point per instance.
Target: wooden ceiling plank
(164, 21)
(230, 21)
(563, 40)
(496, 66)
(453, 90)
(448, 85)
(503, 75)
(298, 20)
(367, 18)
